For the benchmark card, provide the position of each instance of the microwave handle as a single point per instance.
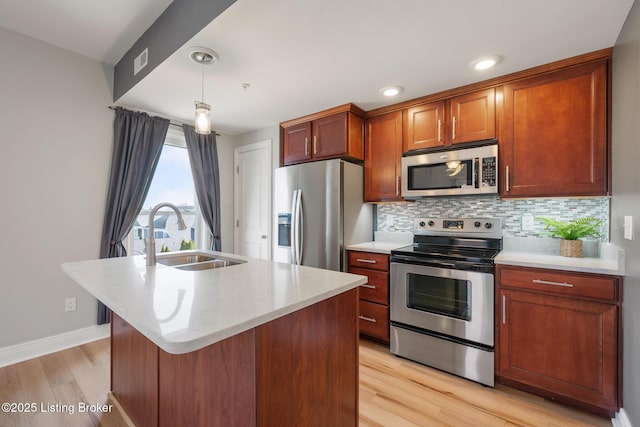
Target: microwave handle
(476, 173)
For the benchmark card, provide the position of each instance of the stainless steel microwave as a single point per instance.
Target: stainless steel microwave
(460, 171)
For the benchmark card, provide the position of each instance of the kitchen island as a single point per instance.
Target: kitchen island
(258, 343)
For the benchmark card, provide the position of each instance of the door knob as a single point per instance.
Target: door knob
(264, 236)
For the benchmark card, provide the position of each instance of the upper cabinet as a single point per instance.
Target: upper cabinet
(464, 118)
(334, 133)
(554, 134)
(382, 159)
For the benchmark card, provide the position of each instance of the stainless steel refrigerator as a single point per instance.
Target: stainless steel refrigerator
(319, 210)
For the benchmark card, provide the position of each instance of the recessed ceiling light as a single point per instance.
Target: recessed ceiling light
(485, 62)
(391, 90)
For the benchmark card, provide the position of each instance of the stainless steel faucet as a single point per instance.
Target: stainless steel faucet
(151, 243)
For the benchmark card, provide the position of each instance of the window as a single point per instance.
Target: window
(172, 182)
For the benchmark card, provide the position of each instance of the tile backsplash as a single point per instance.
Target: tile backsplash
(399, 216)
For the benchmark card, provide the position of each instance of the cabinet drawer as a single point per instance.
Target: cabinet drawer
(369, 260)
(550, 281)
(374, 320)
(377, 290)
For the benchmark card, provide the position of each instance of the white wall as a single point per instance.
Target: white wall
(55, 134)
(626, 196)
(225, 145)
(272, 133)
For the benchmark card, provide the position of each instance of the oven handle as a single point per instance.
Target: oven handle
(467, 266)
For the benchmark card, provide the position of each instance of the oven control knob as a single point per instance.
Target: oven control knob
(422, 224)
(488, 225)
(431, 223)
(477, 224)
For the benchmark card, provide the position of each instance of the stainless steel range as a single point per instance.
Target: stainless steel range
(442, 296)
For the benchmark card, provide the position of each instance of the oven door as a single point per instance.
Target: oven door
(446, 301)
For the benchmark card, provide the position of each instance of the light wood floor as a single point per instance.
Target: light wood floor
(393, 392)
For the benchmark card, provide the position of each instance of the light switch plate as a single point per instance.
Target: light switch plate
(628, 227)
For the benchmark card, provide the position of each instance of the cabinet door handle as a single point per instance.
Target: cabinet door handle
(546, 282)
(504, 309)
(368, 261)
(506, 177)
(397, 185)
(306, 146)
(453, 128)
(315, 144)
(368, 319)
(439, 126)
(368, 286)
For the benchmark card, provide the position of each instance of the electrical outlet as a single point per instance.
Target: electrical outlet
(527, 223)
(390, 220)
(628, 227)
(70, 304)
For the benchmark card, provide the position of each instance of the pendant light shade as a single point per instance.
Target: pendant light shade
(203, 118)
(203, 56)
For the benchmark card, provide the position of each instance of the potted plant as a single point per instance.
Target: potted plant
(570, 232)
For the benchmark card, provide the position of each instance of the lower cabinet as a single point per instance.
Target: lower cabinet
(277, 374)
(374, 295)
(559, 336)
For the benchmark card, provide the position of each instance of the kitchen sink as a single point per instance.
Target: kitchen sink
(195, 261)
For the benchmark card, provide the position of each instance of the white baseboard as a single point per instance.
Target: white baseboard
(621, 419)
(36, 348)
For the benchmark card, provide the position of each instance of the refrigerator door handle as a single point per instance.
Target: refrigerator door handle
(300, 228)
(294, 222)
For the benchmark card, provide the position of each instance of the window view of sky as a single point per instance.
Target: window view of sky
(172, 181)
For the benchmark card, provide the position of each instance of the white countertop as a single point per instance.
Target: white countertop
(377, 247)
(183, 311)
(611, 260)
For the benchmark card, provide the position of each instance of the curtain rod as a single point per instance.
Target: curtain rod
(170, 122)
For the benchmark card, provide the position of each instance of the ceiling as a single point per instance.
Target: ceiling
(303, 56)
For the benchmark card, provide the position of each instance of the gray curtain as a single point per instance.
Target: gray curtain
(203, 156)
(137, 144)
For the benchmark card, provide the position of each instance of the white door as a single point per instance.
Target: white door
(252, 194)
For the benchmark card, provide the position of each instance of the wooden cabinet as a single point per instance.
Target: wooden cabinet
(554, 135)
(464, 118)
(273, 374)
(297, 139)
(559, 335)
(134, 372)
(382, 158)
(330, 134)
(374, 295)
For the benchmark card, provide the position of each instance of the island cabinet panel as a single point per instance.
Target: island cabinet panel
(134, 372)
(307, 366)
(300, 369)
(559, 337)
(382, 158)
(220, 386)
(554, 138)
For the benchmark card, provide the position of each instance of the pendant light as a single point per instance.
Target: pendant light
(203, 56)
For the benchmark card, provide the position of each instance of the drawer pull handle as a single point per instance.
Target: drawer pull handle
(546, 282)
(504, 309)
(368, 261)
(368, 286)
(368, 319)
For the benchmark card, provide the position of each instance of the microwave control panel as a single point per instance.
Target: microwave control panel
(489, 171)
